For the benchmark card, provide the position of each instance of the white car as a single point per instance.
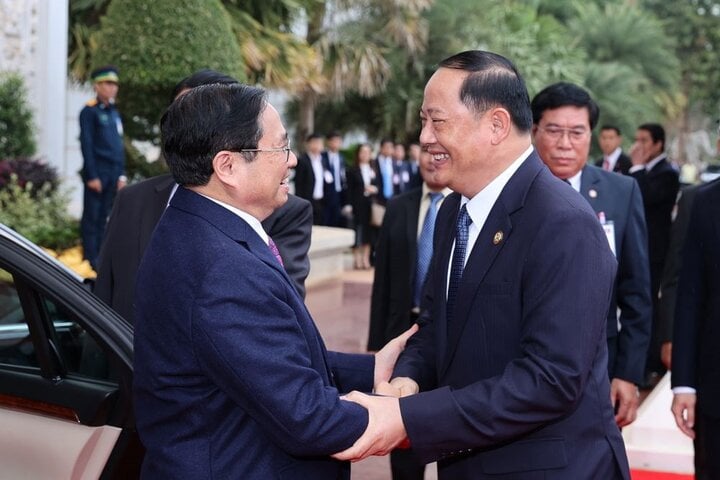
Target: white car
(65, 373)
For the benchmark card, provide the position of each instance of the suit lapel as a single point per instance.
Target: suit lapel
(230, 224)
(493, 236)
(157, 204)
(412, 210)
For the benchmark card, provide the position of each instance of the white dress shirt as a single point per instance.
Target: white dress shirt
(480, 205)
(613, 158)
(252, 221)
(319, 173)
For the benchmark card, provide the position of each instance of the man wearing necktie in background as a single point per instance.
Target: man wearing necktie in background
(564, 116)
(613, 159)
(512, 376)
(402, 259)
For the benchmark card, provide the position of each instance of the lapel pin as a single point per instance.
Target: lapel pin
(498, 237)
(592, 193)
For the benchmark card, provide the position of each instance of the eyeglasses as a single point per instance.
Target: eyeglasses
(287, 151)
(575, 135)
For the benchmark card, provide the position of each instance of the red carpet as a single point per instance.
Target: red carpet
(647, 475)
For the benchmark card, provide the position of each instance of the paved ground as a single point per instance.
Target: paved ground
(341, 310)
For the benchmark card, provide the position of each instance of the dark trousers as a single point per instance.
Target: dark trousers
(707, 447)
(318, 208)
(405, 466)
(96, 208)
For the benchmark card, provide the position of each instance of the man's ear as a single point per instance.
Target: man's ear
(500, 124)
(224, 166)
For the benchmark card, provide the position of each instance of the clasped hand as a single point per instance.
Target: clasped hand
(385, 430)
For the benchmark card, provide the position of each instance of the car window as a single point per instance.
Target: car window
(16, 346)
(80, 353)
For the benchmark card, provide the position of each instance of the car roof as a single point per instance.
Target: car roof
(23, 242)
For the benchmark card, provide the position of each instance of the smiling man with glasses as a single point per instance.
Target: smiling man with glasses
(232, 378)
(563, 117)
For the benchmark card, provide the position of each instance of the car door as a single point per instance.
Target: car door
(65, 374)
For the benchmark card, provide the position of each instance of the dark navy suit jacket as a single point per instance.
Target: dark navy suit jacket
(696, 356)
(232, 379)
(619, 199)
(520, 379)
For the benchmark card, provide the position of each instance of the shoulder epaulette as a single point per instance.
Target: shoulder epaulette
(92, 102)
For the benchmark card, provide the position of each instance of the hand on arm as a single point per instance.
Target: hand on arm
(398, 387)
(625, 397)
(385, 359)
(683, 409)
(385, 429)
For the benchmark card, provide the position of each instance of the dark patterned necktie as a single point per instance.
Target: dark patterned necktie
(458, 260)
(425, 245)
(275, 251)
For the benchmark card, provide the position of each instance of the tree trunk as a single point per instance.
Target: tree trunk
(306, 122)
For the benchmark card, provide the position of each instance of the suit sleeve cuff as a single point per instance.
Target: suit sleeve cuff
(680, 390)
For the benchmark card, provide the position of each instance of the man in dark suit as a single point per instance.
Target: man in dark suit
(138, 208)
(414, 152)
(511, 360)
(613, 159)
(659, 183)
(696, 357)
(311, 177)
(400, 275)
(616, 199)
(335, 192)
(231, 377)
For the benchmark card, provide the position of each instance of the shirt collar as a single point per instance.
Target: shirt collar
(614, 155)
(651, 164)
(252, 221)
(480, 205)
(576, 180)
(425, 190)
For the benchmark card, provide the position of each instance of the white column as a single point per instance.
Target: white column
(50, 82)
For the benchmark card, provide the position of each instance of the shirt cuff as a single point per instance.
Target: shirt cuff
(679, 390)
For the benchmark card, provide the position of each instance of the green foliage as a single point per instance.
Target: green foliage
(137, 167)
(155, 44)
(16, 127)
(39, 216)
(695, 27)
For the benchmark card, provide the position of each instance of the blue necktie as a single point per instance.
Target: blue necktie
(458, 260)
(387, 174)
(425, 245)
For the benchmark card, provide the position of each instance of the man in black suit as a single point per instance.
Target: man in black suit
(335, 192)
(414, 152)
(613, 159)
(659, 183)
(696, 356)
(618, 203)
(400, 275)
(138, 208)
(311, 177)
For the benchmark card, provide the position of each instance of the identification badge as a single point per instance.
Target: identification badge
(328, 177)
(396, 179)
(405, 177)
(609, 229)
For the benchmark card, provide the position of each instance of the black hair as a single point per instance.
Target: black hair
(205, 121)
(493, 82)
(387, 140)
(201, 77)
(611, 127)
(313, 136)
(333, 134)
(563, 94)
(657, 132)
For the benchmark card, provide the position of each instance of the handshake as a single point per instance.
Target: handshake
(385, 430)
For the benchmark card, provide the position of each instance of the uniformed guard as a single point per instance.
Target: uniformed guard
(103, 153)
